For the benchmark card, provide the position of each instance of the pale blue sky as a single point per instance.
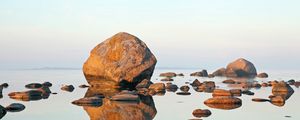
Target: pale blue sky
(181, 33)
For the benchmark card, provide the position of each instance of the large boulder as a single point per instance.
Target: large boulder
(240, 68)
(120, 60)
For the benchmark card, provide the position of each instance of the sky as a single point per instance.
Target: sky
(180, 33)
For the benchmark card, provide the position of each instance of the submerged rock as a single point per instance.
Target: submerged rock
(68, 88)
(240, 68)
(15, 107)
(168, 74)
(201, 113)
(122, 60)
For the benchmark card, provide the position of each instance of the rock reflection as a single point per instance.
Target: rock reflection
(2, 112)
(144, 109)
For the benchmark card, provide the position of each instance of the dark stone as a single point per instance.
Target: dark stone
(185, 88)
(15, 107)
(33, 85)
(69, 88)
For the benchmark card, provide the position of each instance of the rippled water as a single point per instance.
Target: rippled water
(168, 106)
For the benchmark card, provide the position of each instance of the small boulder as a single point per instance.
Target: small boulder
(201, 113)
(277, 100)
(262, 75)
(247, 92)
(196, 83)
(15, 107)
(33, 85)
(236, 92)
(68, 88)
(291, 82)
(171, 87)
(185, 88)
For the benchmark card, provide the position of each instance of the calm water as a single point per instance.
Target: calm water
(169, 106)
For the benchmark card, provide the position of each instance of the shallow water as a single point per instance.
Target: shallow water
(168, 106)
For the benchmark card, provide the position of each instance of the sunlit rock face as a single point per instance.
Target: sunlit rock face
(240, 68)
(121, 59)
(144, 109)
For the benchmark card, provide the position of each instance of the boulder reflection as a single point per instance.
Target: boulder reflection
(119, 110)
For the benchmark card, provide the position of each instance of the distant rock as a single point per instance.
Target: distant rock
(123, 58)
(168, 74)
(203, 73)
(262, 75)
(220, 72)
(15, 107)
(68, 88)
(240, 68)
(201, 113)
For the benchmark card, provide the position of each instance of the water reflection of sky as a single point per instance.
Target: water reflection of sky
(169, 106)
